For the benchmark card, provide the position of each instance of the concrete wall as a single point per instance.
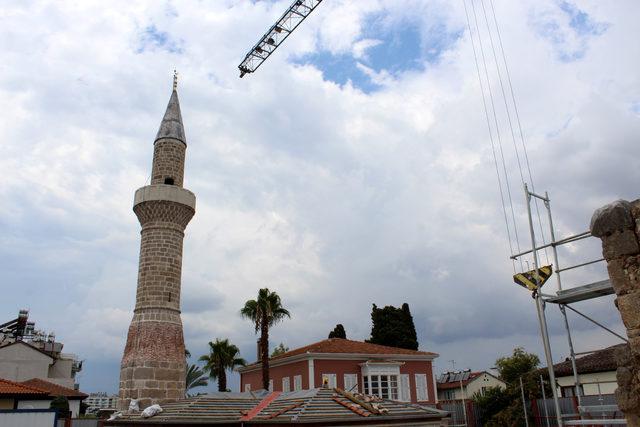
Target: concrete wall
(19, 362)
(61, 373)
(34, 404)
(606, 380)
(27, 419)
(74, 405)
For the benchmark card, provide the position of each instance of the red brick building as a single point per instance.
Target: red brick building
(388, 372)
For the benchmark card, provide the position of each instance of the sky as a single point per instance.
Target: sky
(354, 167)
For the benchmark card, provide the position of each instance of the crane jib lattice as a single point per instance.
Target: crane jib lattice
(277, 34)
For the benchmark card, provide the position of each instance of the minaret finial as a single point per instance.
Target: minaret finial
(175, 80)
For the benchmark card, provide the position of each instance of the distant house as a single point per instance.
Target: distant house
(596, 372)
(456, 385)
(101, 401)
(37, 394)
(388, 372)
(26, 353)
(20, 361)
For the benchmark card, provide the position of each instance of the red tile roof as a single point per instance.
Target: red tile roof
(54, 389)
(456, 384)
(10, 388)
(344, 346)
(601, 361)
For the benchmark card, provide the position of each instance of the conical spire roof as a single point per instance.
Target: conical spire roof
(171, 126)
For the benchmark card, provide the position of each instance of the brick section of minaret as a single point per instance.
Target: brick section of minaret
(153, 366)
(168, 161)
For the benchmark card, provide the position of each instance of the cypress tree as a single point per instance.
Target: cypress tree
(393, 327)
(338, 332)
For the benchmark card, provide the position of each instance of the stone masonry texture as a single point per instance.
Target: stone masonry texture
(153, 365)
(168, 161)
(618, 226)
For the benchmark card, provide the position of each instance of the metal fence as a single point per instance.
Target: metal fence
(541, 412)
(462, 415)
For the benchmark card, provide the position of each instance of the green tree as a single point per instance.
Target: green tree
(393, 327)
(511, 368)
(338, 332)
(280, 349)
(504, 408)
(61, 405)
(195, 377)
(222, 356)
(491, 402)
(264, 312)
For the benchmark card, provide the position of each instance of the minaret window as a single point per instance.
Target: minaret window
(169, 181)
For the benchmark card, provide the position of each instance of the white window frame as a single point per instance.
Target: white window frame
(297, 382)
(271, 385)
(286, 384)
(247, 387)
(351, 383)
(404, 388)
(387, 374)
(422, 394)
(332, 379)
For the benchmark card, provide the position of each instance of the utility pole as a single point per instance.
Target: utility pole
(524, 404)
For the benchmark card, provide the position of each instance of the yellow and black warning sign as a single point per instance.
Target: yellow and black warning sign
(533, 280)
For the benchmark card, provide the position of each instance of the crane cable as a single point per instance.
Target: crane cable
(493, 149)
(497, 126)
(517, 116)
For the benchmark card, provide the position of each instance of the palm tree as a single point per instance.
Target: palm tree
(222, 356)
(265, 312)
(195, 377)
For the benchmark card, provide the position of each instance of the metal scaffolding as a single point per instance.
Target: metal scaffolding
(563, 298)
(278, 33)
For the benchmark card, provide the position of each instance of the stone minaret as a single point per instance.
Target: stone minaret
(153, 364)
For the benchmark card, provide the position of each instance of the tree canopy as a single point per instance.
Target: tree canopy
(338, 332)
(264, 312)
(512, 367)
(61, 405)
(195, 377)
(280, 349)
(501, 407)
(222, 356)
(393, 327)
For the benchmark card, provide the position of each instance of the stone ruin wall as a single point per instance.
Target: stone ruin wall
(618, 226)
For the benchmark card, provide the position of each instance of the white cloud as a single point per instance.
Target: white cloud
(334, 198)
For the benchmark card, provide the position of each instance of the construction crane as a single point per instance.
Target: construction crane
(277, 34)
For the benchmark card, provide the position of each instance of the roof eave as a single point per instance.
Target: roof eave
(340, 356)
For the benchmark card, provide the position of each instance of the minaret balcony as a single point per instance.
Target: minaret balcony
(166, 204)
(164, 192)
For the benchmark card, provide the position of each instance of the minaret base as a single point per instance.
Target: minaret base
(153, 368)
